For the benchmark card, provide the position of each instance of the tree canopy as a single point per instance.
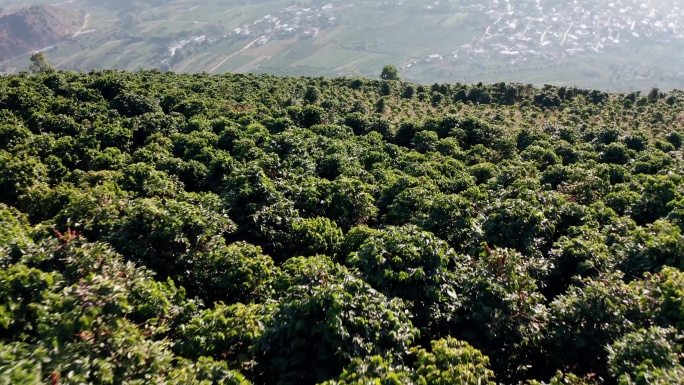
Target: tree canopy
(390, 72)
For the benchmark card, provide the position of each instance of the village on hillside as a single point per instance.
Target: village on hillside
(300, 21)
(513, 31)
(292, 21)
(520, 30)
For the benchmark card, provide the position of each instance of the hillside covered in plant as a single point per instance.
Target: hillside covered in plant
(195, 229)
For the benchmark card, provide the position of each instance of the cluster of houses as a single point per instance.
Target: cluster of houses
(521, 29)
(517, 30)
(292, 21)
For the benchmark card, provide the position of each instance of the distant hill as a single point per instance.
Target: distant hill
(36, 27)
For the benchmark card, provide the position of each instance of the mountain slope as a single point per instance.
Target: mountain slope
(36, 27)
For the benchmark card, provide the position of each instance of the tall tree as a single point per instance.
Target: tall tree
(39, 63)
(390, 72)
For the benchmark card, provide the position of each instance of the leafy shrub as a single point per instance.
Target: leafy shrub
(346, 318)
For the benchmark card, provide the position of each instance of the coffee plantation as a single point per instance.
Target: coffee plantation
(254, 229)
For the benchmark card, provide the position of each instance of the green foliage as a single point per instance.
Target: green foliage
(649, 248)
(651, 356)
(586, 319)
(225, 333)
(671, 289)
(204, 371)
(39, 64)
(410, 264)
(518, 224)
(316, 236)
(343, 314)
(14, 233)
(561, 378)
(164, 228)
(374, 370)
(449, 361)
(389, 72)
(582, 252)
(452, 362)
(232, 273)
(18, 174)
(79, 326)
(501, 307)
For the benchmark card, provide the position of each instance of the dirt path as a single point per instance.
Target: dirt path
(62, 2)
(234, 54)
(565, 36)
(85, 24)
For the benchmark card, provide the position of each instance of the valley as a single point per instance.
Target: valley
(537, 42)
